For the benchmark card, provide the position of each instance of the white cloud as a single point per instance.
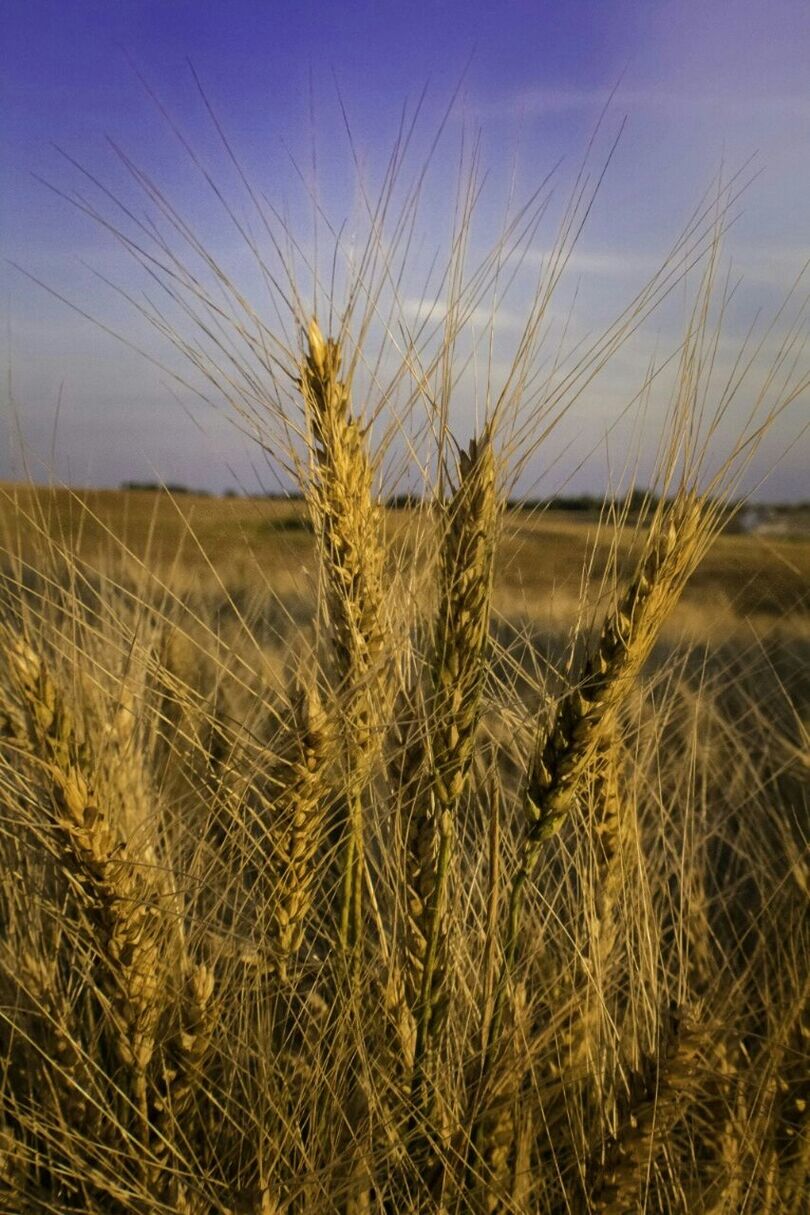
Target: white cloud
(603, 263)
(433, 312)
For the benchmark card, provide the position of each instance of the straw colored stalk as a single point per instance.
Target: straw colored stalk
(298, 803)
(349, 528)
(13, 1172)
(116, 895)
(611, 825)
(583, 1039)
(175, 1108)
(125, 906)
(567, 751)
(609, 833)
(501, 1173)
(123, 775)
(658, 1094)
(729, 1130)
(625, 642)
(187, 1051)
(19, 1192)
(458, 668)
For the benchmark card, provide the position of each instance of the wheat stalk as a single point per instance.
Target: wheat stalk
(117, 896)
(726, 1121)
(59, 1045)
(611, 821)
(349, 529)
(657, 1096)
(609, 835)
(566, 751)
(18, 1188)
(186, 1054)
(233, 1077)
(298, 799)
(457, 674)
(503, 1146)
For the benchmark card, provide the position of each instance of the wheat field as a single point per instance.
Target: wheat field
(446, 859)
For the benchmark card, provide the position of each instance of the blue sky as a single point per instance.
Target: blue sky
(700, 85)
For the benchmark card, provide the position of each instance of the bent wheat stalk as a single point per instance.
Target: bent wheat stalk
(567, 751)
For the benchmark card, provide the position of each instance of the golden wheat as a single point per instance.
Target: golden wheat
(657, 1096)
(566, 750)
(298, 801)
(348, 526)
(176, 1029)
(457, 673)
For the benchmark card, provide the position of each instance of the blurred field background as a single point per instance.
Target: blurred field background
(751, 584)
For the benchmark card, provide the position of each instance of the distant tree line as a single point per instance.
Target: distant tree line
(174, 487)
(167, 487)
(592, 503)
(575, 503)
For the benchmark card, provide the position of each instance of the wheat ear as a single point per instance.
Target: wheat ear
(609, 835)
(18, 1188)
(190, 1045)
(658, 1094)
(627, 637)
(349, 528)
(298, 805)
(458, 667)
(567, 751)
(115, 893)
(611, 816)
(726, 1115)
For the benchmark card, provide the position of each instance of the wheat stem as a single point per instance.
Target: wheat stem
(657, 1097)
(121, 902)
(298, 807)
(458, 666)
(349, 529)
(566, 752)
